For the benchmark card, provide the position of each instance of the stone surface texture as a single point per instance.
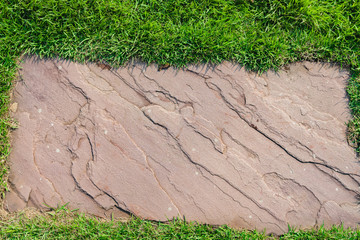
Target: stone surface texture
(218, 145)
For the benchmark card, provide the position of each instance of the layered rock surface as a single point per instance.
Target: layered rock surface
(217, 145)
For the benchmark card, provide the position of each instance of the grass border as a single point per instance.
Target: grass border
(259, 35)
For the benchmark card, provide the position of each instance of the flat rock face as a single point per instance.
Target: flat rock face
(216, 145)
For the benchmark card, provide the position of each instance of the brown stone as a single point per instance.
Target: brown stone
(216, 145)
(13, 202)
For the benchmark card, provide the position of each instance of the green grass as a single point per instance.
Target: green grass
(62, 224)
(262, 35)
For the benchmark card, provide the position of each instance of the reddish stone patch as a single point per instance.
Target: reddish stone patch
(219, 146)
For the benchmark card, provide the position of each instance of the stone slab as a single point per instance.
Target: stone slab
(218, 145)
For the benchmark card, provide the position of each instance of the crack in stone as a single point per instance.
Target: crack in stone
(139, 86)
(79, 89)
(162, 188)
(164, 91)
(38, 170)
(274, 141)
(93, 158)
(124, 208)
(204, 136)
(250, 151)
(318, 213)
(153, 172)
(221, 190)
(239, 203)
(197, 206)
(297, 183)
(140, 93)
(99, 76)
(338, 180)
(91, 147)
(147, 163)
(211, 173)
(16, 191)
(78, 187)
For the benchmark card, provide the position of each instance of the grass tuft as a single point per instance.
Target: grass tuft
(62, 223)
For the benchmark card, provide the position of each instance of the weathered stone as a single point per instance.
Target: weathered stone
(216, 145)
(13, 201)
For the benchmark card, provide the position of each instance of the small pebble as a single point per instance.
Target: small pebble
(14, 107)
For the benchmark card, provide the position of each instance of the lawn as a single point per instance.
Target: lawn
(64, 224)
(259, 34)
